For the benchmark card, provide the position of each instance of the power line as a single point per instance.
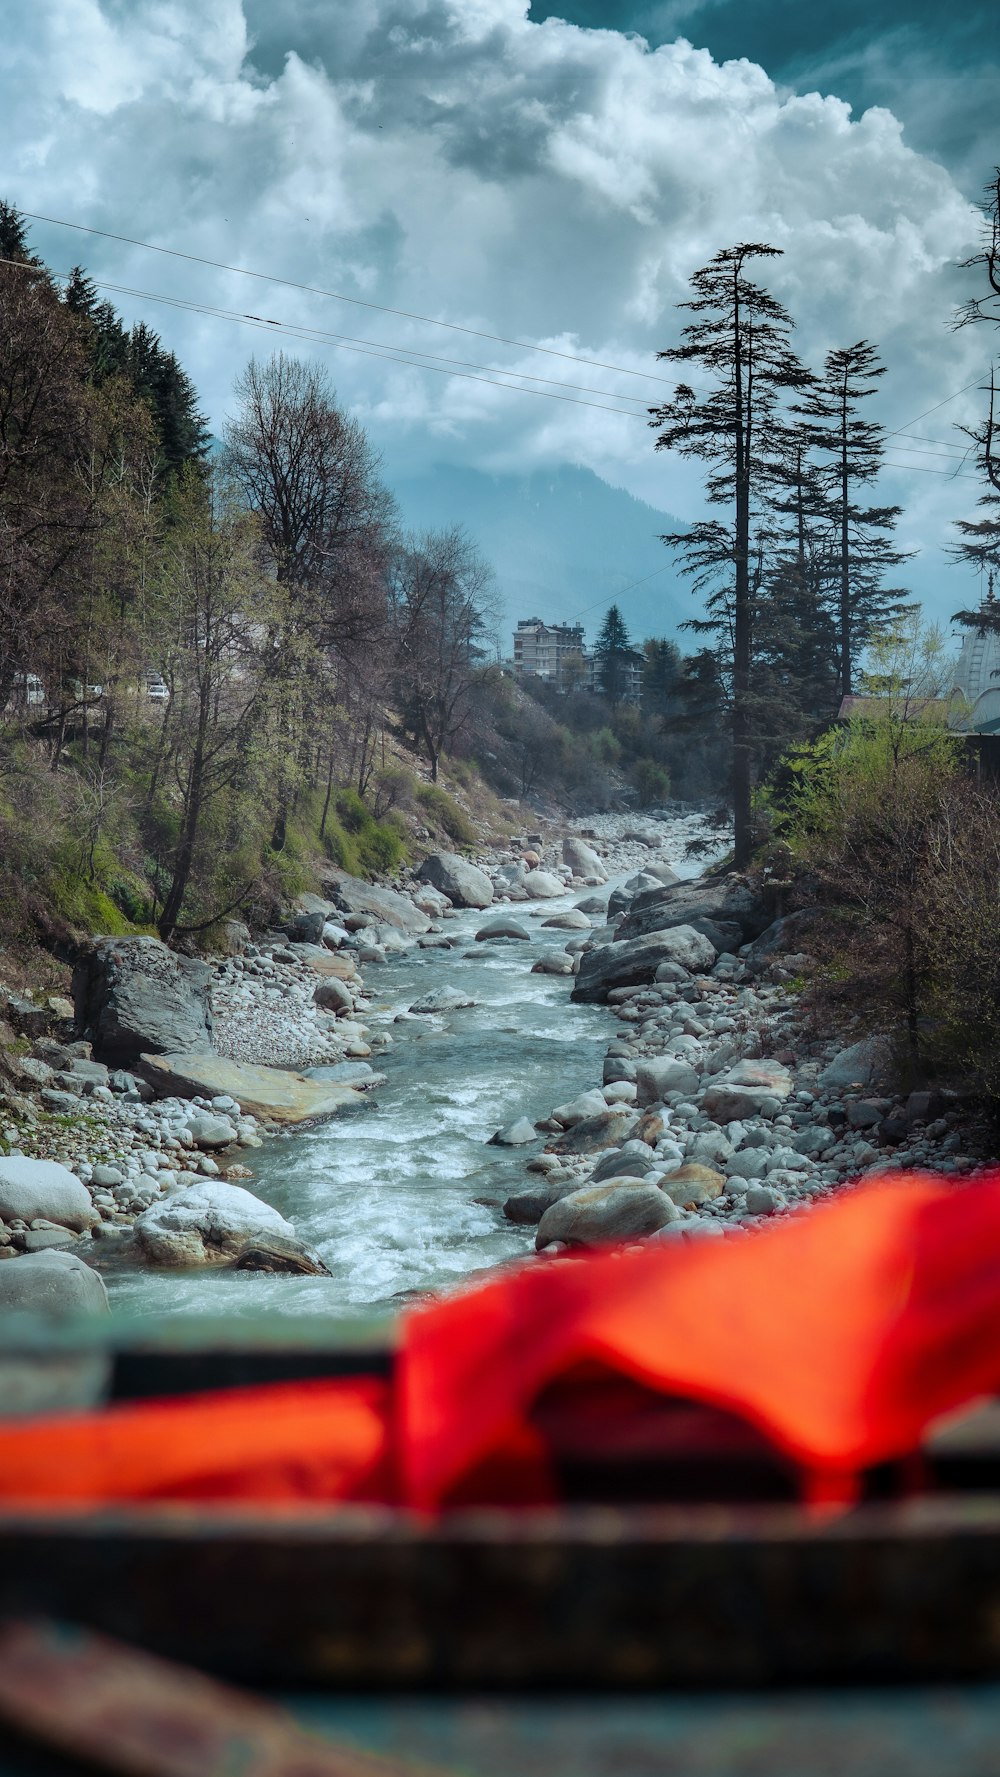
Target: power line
(358, 301)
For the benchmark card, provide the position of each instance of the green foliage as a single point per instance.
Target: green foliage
(443, 812)
(650, 781)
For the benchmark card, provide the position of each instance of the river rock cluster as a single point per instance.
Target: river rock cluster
(718, 1108)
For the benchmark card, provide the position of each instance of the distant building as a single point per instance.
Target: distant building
(977, 673)
(542, 650)
(630, 676)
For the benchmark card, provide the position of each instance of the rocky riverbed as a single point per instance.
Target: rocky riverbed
(137, 1125)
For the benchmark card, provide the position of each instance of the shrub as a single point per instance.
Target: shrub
(650, 781)
(444, 813)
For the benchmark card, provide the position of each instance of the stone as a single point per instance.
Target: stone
(631, 964)
(462, 882)
(516, 1135)
(135, 997)
(582, 859)
(632, 1160)
(333, 995)
(750, 1089)
(711, 1147)
(541, 885)
(619, 1092)
(859, 1065)
(275, 1095)
(306, 928)
(443, 999)
(760, 1200)
(663, 1074)
(526, 1208)
(30, 1189)
(685, 945)
(594, 906)
(782, 935)
(618, 1068)
(104, 1178)
(692, 1185)
(595, 1134)
(502, 928)
(748, 1163)
(865, 1113)
(787, 1160)
(61, 1104)
(571, 920)
(553, 962)
(52, 1282)
(620, 1209)
(222, 1224)
(208, 1131)
(40, 1240)
(588, 1104)
(385, 906)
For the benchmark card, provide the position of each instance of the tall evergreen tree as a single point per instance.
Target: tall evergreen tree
(739, 338)
(851, 449)
(614, 655)
(661, 668)
(979, 538)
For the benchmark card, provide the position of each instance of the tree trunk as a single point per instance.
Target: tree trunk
(743, 837)
(846, 675)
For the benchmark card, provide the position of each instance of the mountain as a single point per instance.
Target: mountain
(564, 545)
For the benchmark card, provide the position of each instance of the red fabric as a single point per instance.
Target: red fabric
(288, 1441)
(839, 1334)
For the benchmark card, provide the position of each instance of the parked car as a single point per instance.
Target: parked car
(157, 689)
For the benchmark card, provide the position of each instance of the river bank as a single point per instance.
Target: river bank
(693, 1101)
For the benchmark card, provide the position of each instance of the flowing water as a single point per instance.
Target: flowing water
(404, 1194)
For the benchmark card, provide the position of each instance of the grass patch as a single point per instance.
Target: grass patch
(445, 813)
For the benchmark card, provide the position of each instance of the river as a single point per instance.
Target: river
(405, 1195)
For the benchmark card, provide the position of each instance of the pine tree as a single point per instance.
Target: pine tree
(851, 449)
(661, 668)
(740, 339)
(613, 654)
(13, 234)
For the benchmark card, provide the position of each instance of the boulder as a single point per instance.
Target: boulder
(384, 906)
(429, 900)
(790, 933)
(663, 1074)
(572, 920)
(462, 882)
(689, 947)
(633, 1160)
(620, 1209)
(135, 997)
(516, 1135)
(594, 1134)
(726, 903)
(595, 906)
(630, 964)
(577, 1110)
(692, 1185)
(553, 962)
(275, 1095)
(582, 859)
(862, 1064)
(751, 1088)
(541, 885)
(333, 995)
(51, 1283)
(443, 999)
(222, 1224)
(209, 1131)
(502, 928)
(32, 1190)
(306, 928)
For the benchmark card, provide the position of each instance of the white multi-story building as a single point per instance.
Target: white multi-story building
(541, 650)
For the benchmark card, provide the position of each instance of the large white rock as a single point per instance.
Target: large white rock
(572, 920)
(541, 885)
(582, 860)
(33, 1190)
(663, 1074)
(462, 882)
(502, 927)
(218, 1224)
(621, 1209)
(577, 1110)
(51, 1283)
(690, 948)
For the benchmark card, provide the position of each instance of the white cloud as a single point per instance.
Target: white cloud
(450, 157)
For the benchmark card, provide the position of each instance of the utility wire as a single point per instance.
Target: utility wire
(358, 301)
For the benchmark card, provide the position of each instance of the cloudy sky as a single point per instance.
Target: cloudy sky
(549, 176)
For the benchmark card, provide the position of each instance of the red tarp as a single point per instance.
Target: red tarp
(839, 1333)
